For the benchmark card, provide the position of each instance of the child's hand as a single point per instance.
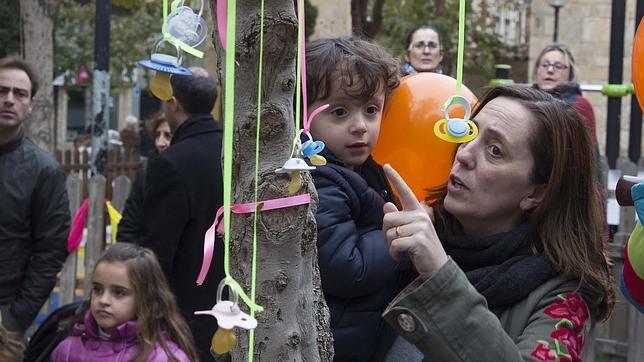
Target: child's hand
(411, 229)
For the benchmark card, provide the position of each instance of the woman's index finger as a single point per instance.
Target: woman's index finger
(407, 198)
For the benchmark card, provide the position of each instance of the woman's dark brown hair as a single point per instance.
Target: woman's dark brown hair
(156, 121)
(156, 308)
(413, 31)
(568, 218)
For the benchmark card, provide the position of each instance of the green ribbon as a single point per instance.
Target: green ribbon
(229, 107)
(461, 45)
(253, 287)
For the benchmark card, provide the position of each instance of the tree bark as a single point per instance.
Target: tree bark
(294, 325)
(38, 27)
(360, 23)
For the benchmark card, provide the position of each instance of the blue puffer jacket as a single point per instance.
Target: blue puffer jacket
(359, 278)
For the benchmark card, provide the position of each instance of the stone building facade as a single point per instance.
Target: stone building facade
(585, 26)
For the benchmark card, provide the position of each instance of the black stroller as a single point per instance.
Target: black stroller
(56, 327)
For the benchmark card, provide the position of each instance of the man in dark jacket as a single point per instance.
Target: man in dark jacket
(34, 209)
(183, 191)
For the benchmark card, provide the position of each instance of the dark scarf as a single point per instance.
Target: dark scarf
(502, 267)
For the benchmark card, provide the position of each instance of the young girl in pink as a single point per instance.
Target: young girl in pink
(132, 316)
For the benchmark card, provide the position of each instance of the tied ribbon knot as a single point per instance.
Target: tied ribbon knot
(247, 208)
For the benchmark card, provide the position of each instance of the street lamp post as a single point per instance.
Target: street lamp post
(556, 4)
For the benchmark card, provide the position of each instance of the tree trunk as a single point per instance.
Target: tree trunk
(38, 28)
(294, 325)
(360, 22)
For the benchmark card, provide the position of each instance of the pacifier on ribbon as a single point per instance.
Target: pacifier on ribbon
(456, 130)
(311, 149)
(293, 166)
(228, 317)
(164, 65)
(185, 25)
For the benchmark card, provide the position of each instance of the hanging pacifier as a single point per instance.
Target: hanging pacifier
(311, 149)
(228, 317)
(293, 166)
(185, 25)
(456, 130)
(165, 65)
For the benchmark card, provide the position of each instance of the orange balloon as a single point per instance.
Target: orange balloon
(407, 141)
(637, 63)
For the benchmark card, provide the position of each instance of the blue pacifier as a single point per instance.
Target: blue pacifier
(456, 130)
(310, 148)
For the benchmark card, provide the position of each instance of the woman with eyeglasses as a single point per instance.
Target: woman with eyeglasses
(555, 72)
(424, 51)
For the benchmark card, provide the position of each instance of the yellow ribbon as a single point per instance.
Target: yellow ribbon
(115, 218)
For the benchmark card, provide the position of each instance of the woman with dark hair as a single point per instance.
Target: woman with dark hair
(513, 268)
(129, 225)
(423, 51)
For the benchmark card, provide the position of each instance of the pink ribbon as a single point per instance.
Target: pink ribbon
(217, 226)
(222, 10)
(76, 233)
(307, 121)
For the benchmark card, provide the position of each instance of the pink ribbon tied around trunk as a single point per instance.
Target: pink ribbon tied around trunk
(218, 225)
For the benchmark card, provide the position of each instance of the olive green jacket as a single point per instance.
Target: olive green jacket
(448, 320)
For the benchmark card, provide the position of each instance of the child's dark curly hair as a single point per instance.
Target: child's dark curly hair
(364, 67)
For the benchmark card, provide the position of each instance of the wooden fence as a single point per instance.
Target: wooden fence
(119, 163)
(122, 167)
(621, 338)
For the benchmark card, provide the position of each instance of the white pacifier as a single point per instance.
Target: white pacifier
(185, 25)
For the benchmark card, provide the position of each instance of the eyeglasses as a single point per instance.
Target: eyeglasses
(421, 45)
(557, 66)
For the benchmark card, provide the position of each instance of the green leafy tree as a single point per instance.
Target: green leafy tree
(311, 16)
(135, 26)
(10, 29)
(366, 17)
(389, 21)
